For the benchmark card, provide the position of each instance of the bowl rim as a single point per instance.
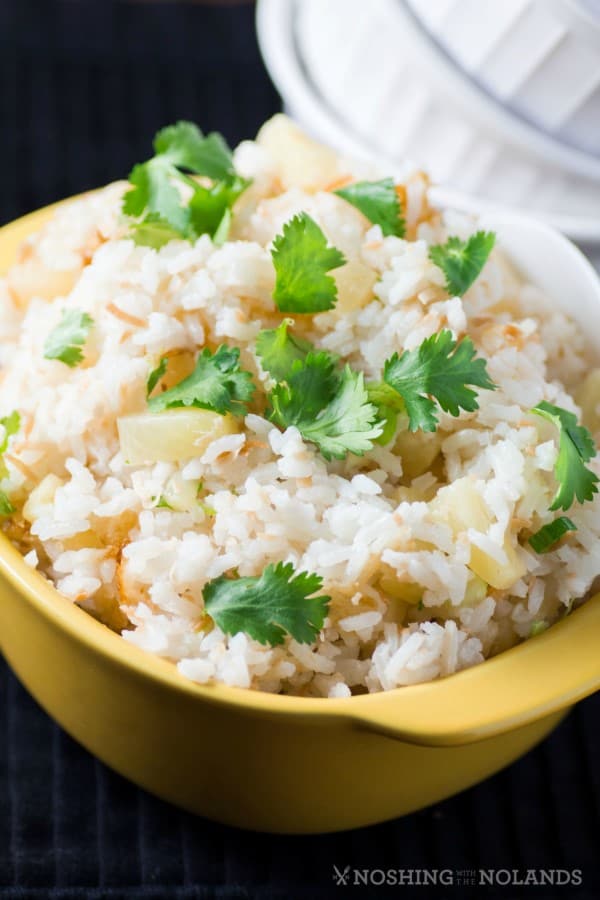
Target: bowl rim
(448, 711)
(279, 47)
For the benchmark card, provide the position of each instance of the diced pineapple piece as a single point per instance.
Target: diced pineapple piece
(587, 397)
(171, 435)
(461, 506)
(40, 497)
(301, 162)
(397, 610)
(498, 575)
(180, 494)
(354, 285)
(418, 450)
(415, 492)
(407, 591)
(475, 592)
(31, 278)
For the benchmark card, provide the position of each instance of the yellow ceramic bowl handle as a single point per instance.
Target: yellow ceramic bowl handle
(547, 673)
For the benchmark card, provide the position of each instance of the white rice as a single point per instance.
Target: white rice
(376, 529)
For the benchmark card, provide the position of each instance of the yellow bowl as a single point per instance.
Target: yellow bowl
(275, 763)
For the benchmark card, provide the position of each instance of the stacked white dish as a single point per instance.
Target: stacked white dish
(542, 59)
(500, 102)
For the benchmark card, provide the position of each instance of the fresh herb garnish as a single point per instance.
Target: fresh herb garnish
(155, 232)
(390, 406)
(66, 340)
(6, 507)
(333, 408)
(576, 447)
(184, 145)
(11, 425)
(268, 606)
(156, 374)
(437, 373)
(217, 383)
(329, 406)
(462, 261)
(159, 186)
(302, 259)
(278, 349)
(549, 535)
(379, 202)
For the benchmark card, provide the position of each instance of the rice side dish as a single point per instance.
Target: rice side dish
(228, 445)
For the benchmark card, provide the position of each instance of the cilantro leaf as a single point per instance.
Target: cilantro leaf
(6, 507)
(310, 384)
(217, 383)
(576, 447)
(348, 423)
(379, 202)
(156, 374)
(302, 259)
(153, 231)
(222, 230)
(462, 261)
(11, 424)
(186, 147)
(278, 350)
(329, 408)
(158, 187)
(390, 406)
(268, 606)
(153, 190)
(440, 369)
(66, 340)
(208, 207)
(545, 539)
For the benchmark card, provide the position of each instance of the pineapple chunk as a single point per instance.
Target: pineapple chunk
(408, 591)
(418, 450)
(587, 397)
(460, 506)
(41, 496)
(354, 285)
(476, 591)
(171, 435)
(498, 575)
(300, 161)
(31, 278)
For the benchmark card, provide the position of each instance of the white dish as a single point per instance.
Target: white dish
(540, 58)
(496, 161)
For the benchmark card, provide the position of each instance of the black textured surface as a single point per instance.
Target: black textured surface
(83, 86)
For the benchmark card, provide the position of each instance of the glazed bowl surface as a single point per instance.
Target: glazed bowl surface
(292, 764)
